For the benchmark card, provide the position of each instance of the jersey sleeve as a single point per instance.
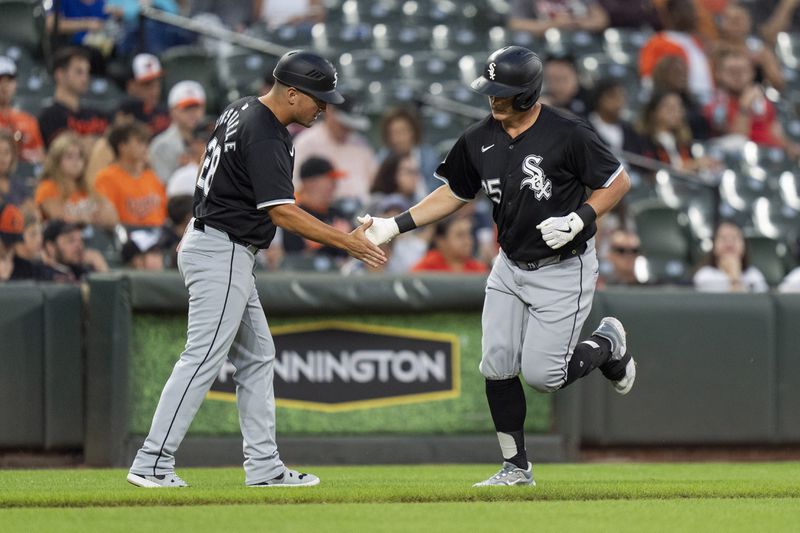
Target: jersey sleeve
(458, 172)
(590, 159)
(269, 165)
(46, 190)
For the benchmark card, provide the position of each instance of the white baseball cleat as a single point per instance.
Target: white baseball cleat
(162, 481)
(290, 478)
(625, 385)
(509, 475)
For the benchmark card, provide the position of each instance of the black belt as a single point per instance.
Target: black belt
(199, 225)
(553, 259)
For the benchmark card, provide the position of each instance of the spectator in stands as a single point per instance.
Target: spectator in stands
(11, 229)
(12, 190)
(71, 74)
(144, 94)
(667, 134)
(23, 126)
(187, 106)
(671, 75)
(84, 22)
(401, 132)
(680, 39)
(65, 258)
(740, 107)
(302, 14)
(609, 102)
(183, 181)
(537, 16)
(451, 249)
(631, 14)
(315, 196)
(337, 140)
(735, 28)
(706, 25)
(623, 250)
(399, 174)
(561, 86)
(63, 192)
(131, 186)
(28, 250)
(144, 250)
(727, 267)
(141, 34)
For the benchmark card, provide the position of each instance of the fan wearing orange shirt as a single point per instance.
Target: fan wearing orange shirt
(451, 249)
(63, 192)
(131, 186)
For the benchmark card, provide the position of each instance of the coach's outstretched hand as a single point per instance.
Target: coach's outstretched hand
(558, 231)
(381, 230)
(362, 248)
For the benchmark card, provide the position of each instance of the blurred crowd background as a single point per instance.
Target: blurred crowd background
(105, 109)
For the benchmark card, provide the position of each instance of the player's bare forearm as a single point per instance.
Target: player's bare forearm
(292, 218)
(436, 206)
(604, 200)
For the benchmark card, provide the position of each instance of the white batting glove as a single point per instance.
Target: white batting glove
(558, 231)
(382, 230)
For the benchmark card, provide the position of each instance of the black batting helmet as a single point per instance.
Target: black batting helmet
(512, 71)
(309, 73)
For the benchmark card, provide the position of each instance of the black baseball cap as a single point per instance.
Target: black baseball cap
(315, 167)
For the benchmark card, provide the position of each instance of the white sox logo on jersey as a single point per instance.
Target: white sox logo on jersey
(491, 70)
(536, 180)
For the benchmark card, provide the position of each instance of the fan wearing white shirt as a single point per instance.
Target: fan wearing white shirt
(728, 267)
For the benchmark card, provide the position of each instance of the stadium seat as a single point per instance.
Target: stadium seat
(787, 49)
(622, 45)
(192, 63)
(331, 38)
(576, 43)
(104, 95)
(456, 38)
(368, 65)
(439, 125)
(22, 23)
(21, 56)
(663, 230)
(401, 38)
(459, 92)
(243, 72)
(769, 256)
(429, 66)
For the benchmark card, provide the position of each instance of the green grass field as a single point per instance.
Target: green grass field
(584, 497)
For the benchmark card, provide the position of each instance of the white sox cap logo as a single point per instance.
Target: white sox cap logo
(335, 78)
(536, 180)
(491, 70)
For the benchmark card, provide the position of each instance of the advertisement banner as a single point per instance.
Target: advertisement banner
(335, 366)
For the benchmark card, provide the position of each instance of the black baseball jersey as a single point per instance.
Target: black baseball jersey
(541, 173)
(247, 168)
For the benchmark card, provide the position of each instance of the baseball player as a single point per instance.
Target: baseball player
(534, 162)
(243, 191)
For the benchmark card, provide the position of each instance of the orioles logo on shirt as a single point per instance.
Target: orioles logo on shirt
(536, 180)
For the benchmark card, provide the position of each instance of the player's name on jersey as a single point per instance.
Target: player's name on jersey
(342, 366)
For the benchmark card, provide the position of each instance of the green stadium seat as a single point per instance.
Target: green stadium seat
(192, 63)
(22, 23)
(243, 73)
(663, 230)
(368, 65)
(769, 256)
(401, 38)
(429, 66)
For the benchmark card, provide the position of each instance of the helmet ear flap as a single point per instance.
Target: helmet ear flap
(525, 100)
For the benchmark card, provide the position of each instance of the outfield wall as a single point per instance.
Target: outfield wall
(713, 369)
